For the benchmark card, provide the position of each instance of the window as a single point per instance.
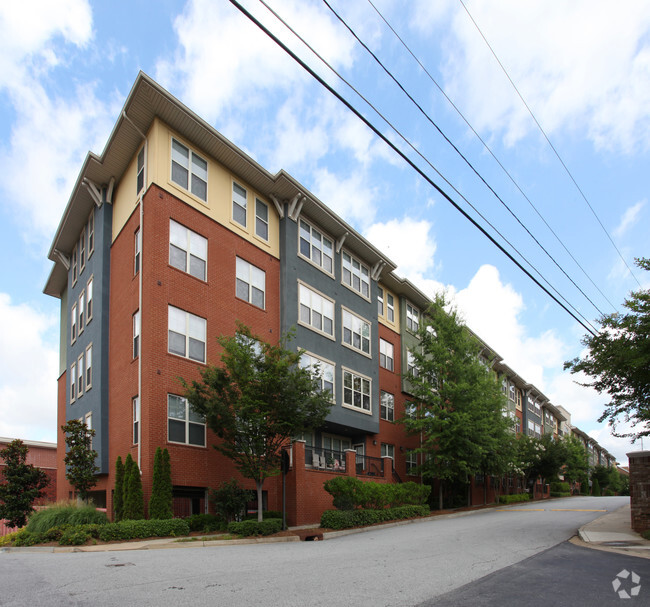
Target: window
(390, 308)
(80, 376)
(321, 369)
(91, 233)
(239, 204)
(518, 398)
(82, 310)
(73, 382)
(356, 391)
(386, 355)
(411, 462)
(412, 318)
(388, 450)
(186, 334)
(380, 301)
(188, 251)
(251, 283)
(74, 264)
(356, 332)
(335, 443)
(410, 410)
(356, 275)
(73, 323)
(89, 367)
(89, 425)
(183, 424)
(137, 248)
(136, 334)
(140, 175)
(387, 406)
(316, 247)
(89, 300)
(411, 366)
(136, 419)
(189, 170)
(261, 219)
(82, 250)
(316, 311)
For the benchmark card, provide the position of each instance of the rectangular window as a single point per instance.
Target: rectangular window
(518, 399)
(386, 355)
(140, 177)
(380, 301)
(261, 219)
(356, 275)
(137, 249)
(251, 283)
(91, 233)
(73, 382)
(412, 318)
(321, 369)
(74, 264)
(73, 323)
(356, 391)
(316, 247)
(186, 334)
(89, 300)
(82, 250)
(390, 308)
(89, 367)
(188, 251)
(239, 197)
(136, 419)
(82, 310)
(387, 406)
(411, 366)
(356, 332)
(89, 425)
(184, 425)
(316, 311)
(411, 462)
(80, 375)
(189, 170)
(388, 450)
(136, 334)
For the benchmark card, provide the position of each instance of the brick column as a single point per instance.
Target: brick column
(640, 490)
(350, 462)
(388, 468)
(296, 483)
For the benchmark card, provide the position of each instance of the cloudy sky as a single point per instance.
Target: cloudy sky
(521, 76)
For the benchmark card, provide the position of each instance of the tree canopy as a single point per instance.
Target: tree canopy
(80, 457)
(618, 361)
(459, 407)
(256, 401)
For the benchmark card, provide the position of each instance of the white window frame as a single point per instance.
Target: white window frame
(136, 334)
(81, 311)
(353, 327)
(412, 318)
(135, 403)
(261, 224)
(91, 233)
(140, 170)
(317, 243)
(239, 203)
(195, 328)
(88, 420)
(137, 251)
(411, 365)
(73, 323)
(89, 299)
(191, 168)
(74, 264)
(386, 354)
(351, 269)
(390, 307)
(73, 382)
(253, 278)
(80, 375)
(89, 367)
(313, 302)
(388, 450)
(192, 244)
(387, 405)
(82, 250)
(411, 461)
(380, 302)
(326, 369)
(187, 421)
(356, 385)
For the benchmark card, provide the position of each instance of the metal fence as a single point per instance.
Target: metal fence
(325, 459)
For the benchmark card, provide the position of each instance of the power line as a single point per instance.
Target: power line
(469, 164)
(402, 155)
(539, 126)
(489, 150)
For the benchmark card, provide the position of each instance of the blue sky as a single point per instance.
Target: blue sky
(583, 69)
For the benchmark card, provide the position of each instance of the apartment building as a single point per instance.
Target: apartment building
(173, 235)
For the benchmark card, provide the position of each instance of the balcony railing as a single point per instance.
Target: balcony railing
(325, 459)
(369, 466)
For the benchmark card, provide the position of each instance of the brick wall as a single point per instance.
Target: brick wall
(640, 490)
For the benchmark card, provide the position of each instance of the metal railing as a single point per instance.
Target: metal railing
(369, 466)
(325, 459)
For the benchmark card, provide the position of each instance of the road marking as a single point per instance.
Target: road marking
(575, 510)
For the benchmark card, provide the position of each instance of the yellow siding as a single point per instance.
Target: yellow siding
(395, 326)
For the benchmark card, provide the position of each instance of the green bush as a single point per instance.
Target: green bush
(229, 500)
(67, 513)
(558, 487)
(344, 490)
(140, 529)
(250, 528)
(409, 494)
(560, 494)
(206, 522)
(25, 538)
(344, 519)
(350, 492)
(75, 536)
(514, 498)
(595, 488)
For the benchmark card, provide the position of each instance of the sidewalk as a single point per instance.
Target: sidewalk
(614, 532)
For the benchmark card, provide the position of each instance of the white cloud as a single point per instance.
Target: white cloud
(28, 372)
(630, 217)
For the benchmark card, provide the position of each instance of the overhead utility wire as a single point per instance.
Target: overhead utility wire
(539, 126)
(469, 164)
(402, 155)
(408, 143)
(489, 150)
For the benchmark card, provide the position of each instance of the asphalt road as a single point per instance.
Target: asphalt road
(402, 565)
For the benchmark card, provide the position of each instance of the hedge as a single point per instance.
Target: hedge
(140, 529)
(252, 527)
(64, 514)
(560, 494)
(344, 519)
(350, 492)
(205, 523)
(514, 498)
(558, 487)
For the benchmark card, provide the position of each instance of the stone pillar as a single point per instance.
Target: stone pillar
(640, 490)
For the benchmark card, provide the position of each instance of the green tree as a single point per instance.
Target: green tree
(618, 361)
(23, 484)
(608, 478)
(80, 457)
(229, 499)
(133, 507)
(160, 503)
(595, 487)
(541, 458)
(459, 407)
(256, 402)
(118, 491)
(576, 465)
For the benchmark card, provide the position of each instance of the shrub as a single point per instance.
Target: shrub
(140, 529)
(558, 487)
(74, 536)
(25, 538)
(250, 527)
(160, 502)
(229, 500)
(595, 487)
(64, 513)
(118, 493)
(410, 493)
(514, 498)
(133, 506)
(560, 494)
(206, 522)
(344, 490)
(344, 519)
(349, 493)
